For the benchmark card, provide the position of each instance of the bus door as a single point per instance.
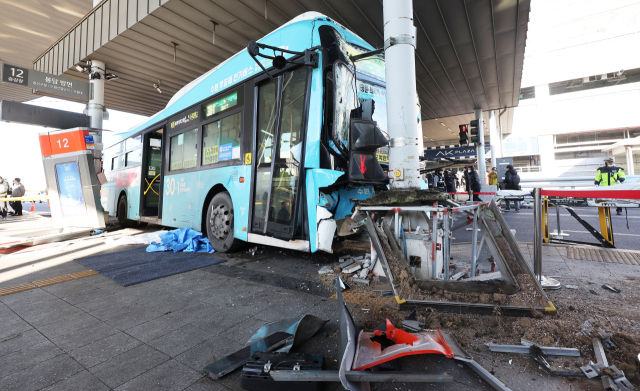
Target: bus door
(152, 175)
(279, 154)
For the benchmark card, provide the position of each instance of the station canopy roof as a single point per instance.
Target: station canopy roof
(469, 53)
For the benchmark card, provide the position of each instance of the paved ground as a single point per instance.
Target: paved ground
(93, 334)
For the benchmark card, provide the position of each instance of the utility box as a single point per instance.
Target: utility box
(71, 174)
(420, 254)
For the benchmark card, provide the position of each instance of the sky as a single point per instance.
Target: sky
(20, 150)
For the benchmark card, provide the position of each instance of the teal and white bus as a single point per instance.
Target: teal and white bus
(259, 149)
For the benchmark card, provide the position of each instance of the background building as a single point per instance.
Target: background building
(580, 94)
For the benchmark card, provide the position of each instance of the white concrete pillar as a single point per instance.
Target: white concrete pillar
(95, 108)
(495, 138)
(482, 170)
(405, 136)
(630, 168)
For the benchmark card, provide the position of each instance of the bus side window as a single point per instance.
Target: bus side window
(184, 152)
(133, 158)
(221, 139)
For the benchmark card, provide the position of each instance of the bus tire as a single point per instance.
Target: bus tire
(219, 223)
(122, 212)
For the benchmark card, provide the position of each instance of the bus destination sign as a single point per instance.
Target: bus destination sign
(221, 104)
(44, 81)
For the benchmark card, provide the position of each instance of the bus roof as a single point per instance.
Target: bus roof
(293, 36)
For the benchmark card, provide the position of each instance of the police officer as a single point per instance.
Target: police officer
(609, 175)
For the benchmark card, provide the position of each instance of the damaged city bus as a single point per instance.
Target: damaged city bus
(269, 147)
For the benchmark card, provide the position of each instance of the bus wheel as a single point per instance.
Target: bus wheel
(220, 224)
(122, 212)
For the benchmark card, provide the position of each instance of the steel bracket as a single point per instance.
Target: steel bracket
(400, 40)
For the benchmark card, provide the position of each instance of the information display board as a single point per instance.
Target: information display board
(70, 189)
(44, 81)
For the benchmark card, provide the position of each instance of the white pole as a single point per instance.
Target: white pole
(405, 138)
(493, 133)
(630, 168)
(482, 171)
(95, 108)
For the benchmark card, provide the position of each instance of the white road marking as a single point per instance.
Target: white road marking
(584, 232)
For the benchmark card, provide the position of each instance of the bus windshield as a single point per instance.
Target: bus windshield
(374, 67)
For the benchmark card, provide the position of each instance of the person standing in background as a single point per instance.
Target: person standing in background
(18, 191)
(467, 182)
(493, 177)
(609, 175)
(474, 185)
(4, 193)
(449, 181)
(512, 182)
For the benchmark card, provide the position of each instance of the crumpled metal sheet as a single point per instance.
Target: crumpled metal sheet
(348, 331)
(301, 328)
(370, 353)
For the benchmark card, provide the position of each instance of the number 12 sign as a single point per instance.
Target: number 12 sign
(56, 143)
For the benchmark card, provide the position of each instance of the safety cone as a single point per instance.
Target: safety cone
(33, 207)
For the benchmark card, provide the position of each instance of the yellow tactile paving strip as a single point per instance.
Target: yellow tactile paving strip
(364, 298)
(46, 282)
(604, 255)
(51, 281)
(16, 288)
(85, 273)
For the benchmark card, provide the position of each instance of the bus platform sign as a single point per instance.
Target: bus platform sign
(37, 80)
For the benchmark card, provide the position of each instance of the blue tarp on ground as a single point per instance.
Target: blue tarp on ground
(182, 239)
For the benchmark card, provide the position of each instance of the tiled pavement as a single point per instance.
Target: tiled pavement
(93, 334)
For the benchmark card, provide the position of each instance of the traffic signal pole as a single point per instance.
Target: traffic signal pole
(405, 137)
(482, 169)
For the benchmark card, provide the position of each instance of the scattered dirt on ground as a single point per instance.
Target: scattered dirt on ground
(617, 314)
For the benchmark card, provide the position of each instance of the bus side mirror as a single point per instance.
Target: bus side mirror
(365, 138)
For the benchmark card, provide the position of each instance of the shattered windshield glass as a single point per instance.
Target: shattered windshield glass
(345, 101)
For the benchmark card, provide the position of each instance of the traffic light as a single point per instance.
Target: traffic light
(473, 129)
(464, 134)
(364, 140)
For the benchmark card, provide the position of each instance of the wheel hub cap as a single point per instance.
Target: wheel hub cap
(219, 222)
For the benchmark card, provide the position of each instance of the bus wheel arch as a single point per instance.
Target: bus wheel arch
(217, 220)
(121, 209)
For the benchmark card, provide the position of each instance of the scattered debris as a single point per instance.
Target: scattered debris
(255, 373)
(378, 347)
(352, 268)
(550, 283)
(460, 274)
(592, 370)
(524, 349)
(411, 322)
(360, 280)
(325, 270)
(235, 360)
(540, 357)
(346, 263)
(486, 277)
(571, 286)
(593, 292)
(612, 289)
